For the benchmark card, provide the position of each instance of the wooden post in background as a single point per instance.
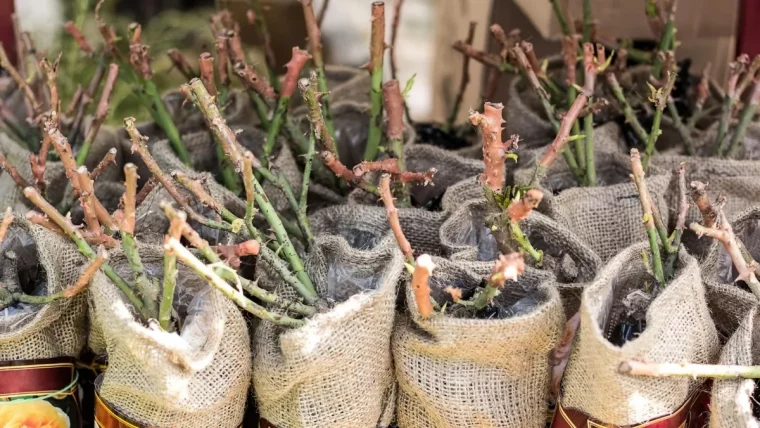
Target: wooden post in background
(452, 21)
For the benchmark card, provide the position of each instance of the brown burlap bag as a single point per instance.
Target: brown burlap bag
(364, 227)
(195, 378)
(732, 401)
(678, 328)
(457, 372)
(465, 237)
(606, 217)
(336, 370)
(46, 263)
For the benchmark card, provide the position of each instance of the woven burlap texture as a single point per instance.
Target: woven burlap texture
(457, 372)
(364, 226)
(336, 370)
(198, 378)
(571, 260)
(606, 217)
(56, 329)
(731, 401)
(678, 328)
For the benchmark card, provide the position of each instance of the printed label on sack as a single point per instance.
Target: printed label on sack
(39, 393)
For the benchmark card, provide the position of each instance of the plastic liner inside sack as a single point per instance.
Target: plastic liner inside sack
(307, 377)
(466, 237)
(747, 229)
(22, 272)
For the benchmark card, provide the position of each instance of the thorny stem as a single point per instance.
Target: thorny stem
(561, 140)
(394, 109)
(735, 69)
(522, 59)
(173, 246)
(376, 53)
(197, 92)
(423, 269)
(666, 41)
(393, 220)
(86, 200)
(702, 201)
(589, 83)
(79, 38)
(484, 58)
(302, 203)
(523, 242)
(13, 172)
(725, 234)
(138, 145)
(394, 34)
(681, 212)
(181, 64)
(321, 131)
(108, 159)
(223, 59)
(51, 79)
(315, 43)
(463, 82)
(206, 62)
(100, 114)
(20, 81)
(494, 150)
(723, 371)
(391, 166)
(170, 273)
(646, 208)
(746, 118)
(267, 255)
(307, 291)
(660, 99)
(84, 247)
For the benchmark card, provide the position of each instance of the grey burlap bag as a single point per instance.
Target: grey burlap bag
(476, 372)
(336, 370)
(364, 227)
(678, 328)
(451, 167)
(11, 195)
(45, 263)
(732, 402)
(465, 237)
(196, 378)
(606, 217)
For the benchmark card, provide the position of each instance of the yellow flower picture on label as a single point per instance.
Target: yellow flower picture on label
(32, 414)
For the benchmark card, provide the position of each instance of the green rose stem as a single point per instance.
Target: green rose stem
(637, 170)
(660, 99)
(170, 273)
(376, 53)
(667, 41)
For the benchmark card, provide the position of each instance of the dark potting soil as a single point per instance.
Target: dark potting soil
(627, 330)
(434, 135)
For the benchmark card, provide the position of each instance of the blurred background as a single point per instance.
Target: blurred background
(709, 31)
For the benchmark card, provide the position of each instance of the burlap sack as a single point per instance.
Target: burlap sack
(465, 237)
(11, 195)
(678, 328)
(364, 227)
(451, 167)
(457, 372)
(197, 378)
(606, 217)
(732, 400)
(336, 370)
(41, 331)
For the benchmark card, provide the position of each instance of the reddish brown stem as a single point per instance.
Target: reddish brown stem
(391, 166)
(465, 79)
(86, 199)
(480, 56)
(252, 81)
(51, 78)
(108, 33)
(313, 33)
(703, 89)
(140, 60)
(527, 48)
(42, 220)
(520, 209)
(589, 68)
(181, 63)
(130, 181)
(394, 34)
(38, 172)
(497, 32)
(337, 167)
(702, 201)
(108, 159)
(423, 269)
(196, 188)
(75, 100)
(223, 59)
(394, 109)
(296, 64)
(63, 148)
(570, 57)
(562, 138)
(101, 112)
(79, 38)
(86, 276)
(392, 213)
(145, 191)
(207, 73)
(490, 123)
